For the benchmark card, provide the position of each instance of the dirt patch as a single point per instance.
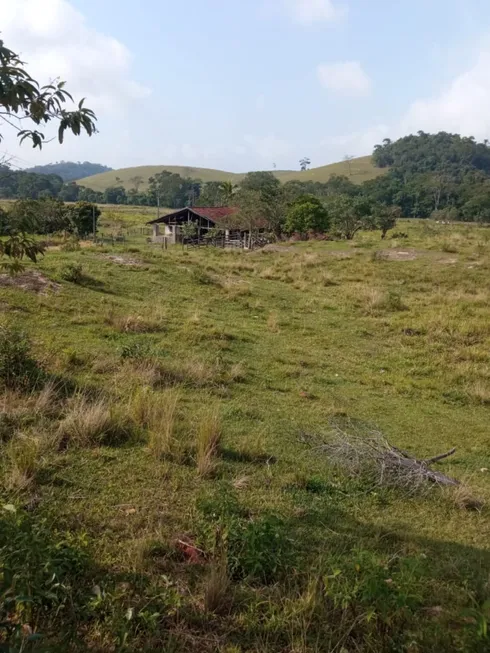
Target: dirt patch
(401, 254)
(283, 249)
(123, 260)
(340, 254)
(31, 280)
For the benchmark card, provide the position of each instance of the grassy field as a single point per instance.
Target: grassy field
(361, 169)
(163, 482)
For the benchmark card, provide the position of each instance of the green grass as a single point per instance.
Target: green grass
(272, 549)
(361, 170)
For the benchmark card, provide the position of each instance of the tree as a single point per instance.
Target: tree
(188, 231)
(250, 212)
(25, 105)
(227, 190)
(304, 164)
(386, 217)
(115, 195)
(137, 180)
(84, 217)
(348, 215)
(348, 159)
(307, 214)
(269, 196)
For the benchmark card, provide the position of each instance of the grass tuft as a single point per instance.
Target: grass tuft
(208, 440)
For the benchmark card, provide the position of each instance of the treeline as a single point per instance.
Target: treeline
(444, 176)
(70, 170)
(49, 216)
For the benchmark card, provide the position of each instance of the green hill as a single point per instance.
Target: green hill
(361, 169)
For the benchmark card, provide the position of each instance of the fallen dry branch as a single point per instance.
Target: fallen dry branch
(367, 453)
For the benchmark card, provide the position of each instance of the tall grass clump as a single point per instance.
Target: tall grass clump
(19, 370)
(21, 460)
(93, 423)
(208, 440)
(157, 412)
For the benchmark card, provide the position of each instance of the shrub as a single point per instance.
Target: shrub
(38, 574)
(18, 369)
(259, 550)
(72, 272)
(136, 350)
(71, 245)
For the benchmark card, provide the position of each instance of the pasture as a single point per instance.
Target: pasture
(359, 170)
(164, 465)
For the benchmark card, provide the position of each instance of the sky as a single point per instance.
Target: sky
(253, 84)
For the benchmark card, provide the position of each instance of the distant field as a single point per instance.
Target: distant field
(123, 529)
(361, 169)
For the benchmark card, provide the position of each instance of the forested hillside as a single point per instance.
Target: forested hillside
(443, 175)
(69, 170)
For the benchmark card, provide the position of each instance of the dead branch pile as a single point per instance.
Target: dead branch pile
(367, 453)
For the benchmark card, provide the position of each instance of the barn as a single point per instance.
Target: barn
(221, 219)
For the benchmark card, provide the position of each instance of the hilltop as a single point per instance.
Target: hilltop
(70, 170)
(361, 169)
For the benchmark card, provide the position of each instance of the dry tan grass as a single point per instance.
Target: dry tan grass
(273, 322)
(208, 440)
(135, 323)
(157, 412)
(217, 585)
(463, 498)
(88, 423)
(21, 456)
(236, 373)
(327, 279)
(480, 392)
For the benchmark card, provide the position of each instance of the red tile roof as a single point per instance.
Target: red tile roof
(217, 214)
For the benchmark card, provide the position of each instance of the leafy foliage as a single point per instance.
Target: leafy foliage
(433, 172)
(22, 98)
(307, 214)
(37, 573)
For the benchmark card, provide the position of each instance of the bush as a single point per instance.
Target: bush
(259, 550)
(18, 369)
(137, 350)
(72, 272)
(37, 575)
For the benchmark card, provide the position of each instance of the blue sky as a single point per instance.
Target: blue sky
(245, 84)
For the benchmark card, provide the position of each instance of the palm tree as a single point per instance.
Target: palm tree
(227, 190)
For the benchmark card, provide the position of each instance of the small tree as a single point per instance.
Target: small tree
(307, 214)
(84, 217)
(304, 163)
(188, 231)
(386, 217)
(349, 214)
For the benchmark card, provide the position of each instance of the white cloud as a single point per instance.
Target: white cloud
(344, 77)
(359, 143)
(308, 12)
(268, 147)
(463, 106)
(55, 41)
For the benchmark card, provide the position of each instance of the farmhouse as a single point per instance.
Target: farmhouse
(222, 222)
